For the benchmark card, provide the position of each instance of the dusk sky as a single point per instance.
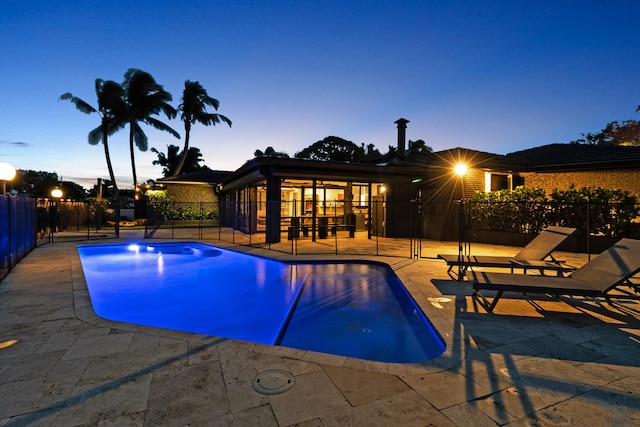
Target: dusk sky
(496, 76)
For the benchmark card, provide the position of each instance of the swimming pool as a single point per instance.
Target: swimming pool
(355, 309)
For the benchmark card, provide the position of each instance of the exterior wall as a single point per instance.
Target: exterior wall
(625, 179)
(473, 181)
(191, 193)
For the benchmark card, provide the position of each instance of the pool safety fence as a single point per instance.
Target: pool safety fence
(78, 220)
(18, 234)
(598, 224)
(294, 226)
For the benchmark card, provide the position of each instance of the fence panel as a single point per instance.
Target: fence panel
(330, 231)
(17, 231)
(597, 224)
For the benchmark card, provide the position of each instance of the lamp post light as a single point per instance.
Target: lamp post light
(460, 169)
(56, 194)
(7, 173)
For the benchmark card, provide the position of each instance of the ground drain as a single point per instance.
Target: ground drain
(274, 381)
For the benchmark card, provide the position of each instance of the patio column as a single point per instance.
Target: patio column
(273, 208)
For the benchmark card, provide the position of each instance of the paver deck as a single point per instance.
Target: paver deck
(538, 361)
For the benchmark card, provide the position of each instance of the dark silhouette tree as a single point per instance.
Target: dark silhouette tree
(193, 109)
(332, 148)
(35, 184)
(371, 154)
(145, 98)
(270, 152)
(419, 146)
(170, 161)
(626, 132)
(111, 109)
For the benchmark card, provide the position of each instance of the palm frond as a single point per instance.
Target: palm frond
(81, 105)
(95, 136)
(139, 137)
(208, 119)
(151, 121)
(114, 125)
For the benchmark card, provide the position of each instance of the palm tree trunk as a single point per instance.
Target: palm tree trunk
(185, 150)
(133, 161)
(113, 180)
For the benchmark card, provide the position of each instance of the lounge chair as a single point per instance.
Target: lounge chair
(598, 278)
(535, 252)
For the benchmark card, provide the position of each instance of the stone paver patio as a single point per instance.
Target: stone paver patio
(538, 361)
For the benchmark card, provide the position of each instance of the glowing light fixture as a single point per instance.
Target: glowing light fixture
(56, 193)
(460, 169)
(7, 173)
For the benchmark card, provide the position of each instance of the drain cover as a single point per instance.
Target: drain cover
(274, 381)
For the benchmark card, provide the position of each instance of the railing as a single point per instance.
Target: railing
(598, 225)
(361, 230)
(74, 220)
(18, 234)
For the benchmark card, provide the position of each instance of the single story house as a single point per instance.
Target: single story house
(412, 193)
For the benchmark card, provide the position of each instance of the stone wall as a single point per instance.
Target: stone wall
(182, 193)
(612, 179)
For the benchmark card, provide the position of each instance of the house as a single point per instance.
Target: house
(413, 194)
(558, 166)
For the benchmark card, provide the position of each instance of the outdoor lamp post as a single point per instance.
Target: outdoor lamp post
(460, 169)
(7, 173)
(56, 194)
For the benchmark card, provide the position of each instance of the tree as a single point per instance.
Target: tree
(193, 109)
(332, 148)
(270, 152)
(36, 184)
(419, 146)
(626, 132)
(372, 153)
(111, 107)
(170, 161)
(145, 97)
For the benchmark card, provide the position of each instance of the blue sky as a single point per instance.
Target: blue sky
(496, 76)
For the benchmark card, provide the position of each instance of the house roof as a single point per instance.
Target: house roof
(552, 157)
(563, 157)
(257, 169)
(474, 158)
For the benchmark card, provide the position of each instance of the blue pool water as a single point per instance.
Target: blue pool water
(351, 309)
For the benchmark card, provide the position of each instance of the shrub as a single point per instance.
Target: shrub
(160, 203)
(595, 209)
(591, 210)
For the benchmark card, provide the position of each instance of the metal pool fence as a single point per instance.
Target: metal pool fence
(598, 224)
(330, 231)
(17, 231)
(333, 227)
(73, 220)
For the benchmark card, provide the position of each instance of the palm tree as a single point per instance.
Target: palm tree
(170, 161)
(145, 97)
(193, 108)
(111, 107)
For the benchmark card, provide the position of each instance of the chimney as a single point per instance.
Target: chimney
(402, 136)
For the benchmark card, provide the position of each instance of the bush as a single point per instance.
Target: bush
(164, 208)
(521, 210)
(592, 210)
(160, 203)
(595, 209)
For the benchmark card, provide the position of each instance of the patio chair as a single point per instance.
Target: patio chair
(597, 278)
(533, 255)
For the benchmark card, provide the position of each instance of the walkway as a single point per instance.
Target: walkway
(533, 362)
